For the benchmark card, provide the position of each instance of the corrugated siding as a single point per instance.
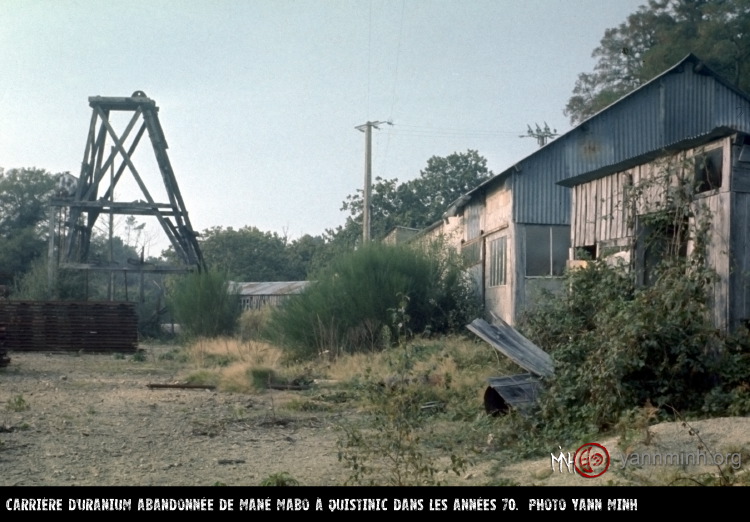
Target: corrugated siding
(676, 107)
(537, 198)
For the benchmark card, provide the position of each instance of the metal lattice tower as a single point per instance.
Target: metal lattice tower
(106, 159)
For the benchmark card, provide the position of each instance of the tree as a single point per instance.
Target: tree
(422, 201)
(247, 254)
(656, 37)
(24, 196)
(301, 255)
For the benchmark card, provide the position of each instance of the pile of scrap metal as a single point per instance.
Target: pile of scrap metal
(513, 391)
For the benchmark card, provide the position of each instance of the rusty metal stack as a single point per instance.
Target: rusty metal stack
(58, 326)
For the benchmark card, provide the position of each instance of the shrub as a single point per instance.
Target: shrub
(350, 307)
(204, 304)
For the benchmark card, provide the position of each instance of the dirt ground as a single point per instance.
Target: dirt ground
(93, 420)
(85, 419)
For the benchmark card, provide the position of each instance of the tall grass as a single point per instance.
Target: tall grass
(231, 364)
(204, 304)
(368, 298)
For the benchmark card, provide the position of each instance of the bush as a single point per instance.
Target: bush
(351, 306)
(204, 305)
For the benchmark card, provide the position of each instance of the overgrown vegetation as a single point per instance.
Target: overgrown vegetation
(348, 309)
(204, 304)
(389, 450)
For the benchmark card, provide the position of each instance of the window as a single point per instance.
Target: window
(546, 250)
(472, 253)
(498, 261)
(474, 222)
(708, 167)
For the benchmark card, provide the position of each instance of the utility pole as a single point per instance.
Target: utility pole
(366, 210)
(541, 134)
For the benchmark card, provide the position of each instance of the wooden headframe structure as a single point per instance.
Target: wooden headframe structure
(104, 163)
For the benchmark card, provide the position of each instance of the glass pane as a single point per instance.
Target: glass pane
(537, 250)
(560, 246)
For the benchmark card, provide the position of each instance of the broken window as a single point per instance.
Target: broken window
(587, 252)
(546, 250)
(498, 261)
(708, 169)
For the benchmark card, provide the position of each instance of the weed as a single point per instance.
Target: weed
(279, 479)
(724, 477)
(17, 403)
(307, 405)
(261, 378)
(139, 356)
(389, 449)
(203, 377)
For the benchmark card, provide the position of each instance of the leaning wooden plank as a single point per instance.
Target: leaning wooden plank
(505, 339)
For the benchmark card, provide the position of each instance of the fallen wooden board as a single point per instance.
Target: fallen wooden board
(505, 339)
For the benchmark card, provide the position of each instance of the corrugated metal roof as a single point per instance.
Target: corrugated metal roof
(271, 288)
(683, 104)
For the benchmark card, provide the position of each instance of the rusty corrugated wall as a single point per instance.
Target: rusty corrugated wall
(57, 326)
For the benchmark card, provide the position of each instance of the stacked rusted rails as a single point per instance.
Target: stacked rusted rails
(61, 326)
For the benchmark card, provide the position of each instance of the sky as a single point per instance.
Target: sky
(259, 99)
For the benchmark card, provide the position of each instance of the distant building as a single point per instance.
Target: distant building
(400, 235)
(254, 296)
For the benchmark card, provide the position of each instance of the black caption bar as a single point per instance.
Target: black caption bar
(344, 501)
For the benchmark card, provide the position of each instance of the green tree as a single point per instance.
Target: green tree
(247, 254)
(24, 196)
(421, 201)
(301, 255)
(417, 203)
(656, 37)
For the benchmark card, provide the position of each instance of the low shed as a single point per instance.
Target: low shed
(254, 296)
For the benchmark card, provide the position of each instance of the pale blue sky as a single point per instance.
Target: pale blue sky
(259, 99)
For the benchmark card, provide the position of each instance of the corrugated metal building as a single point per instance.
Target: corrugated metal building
(515, 227)
(688, 125)
(257, 295)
